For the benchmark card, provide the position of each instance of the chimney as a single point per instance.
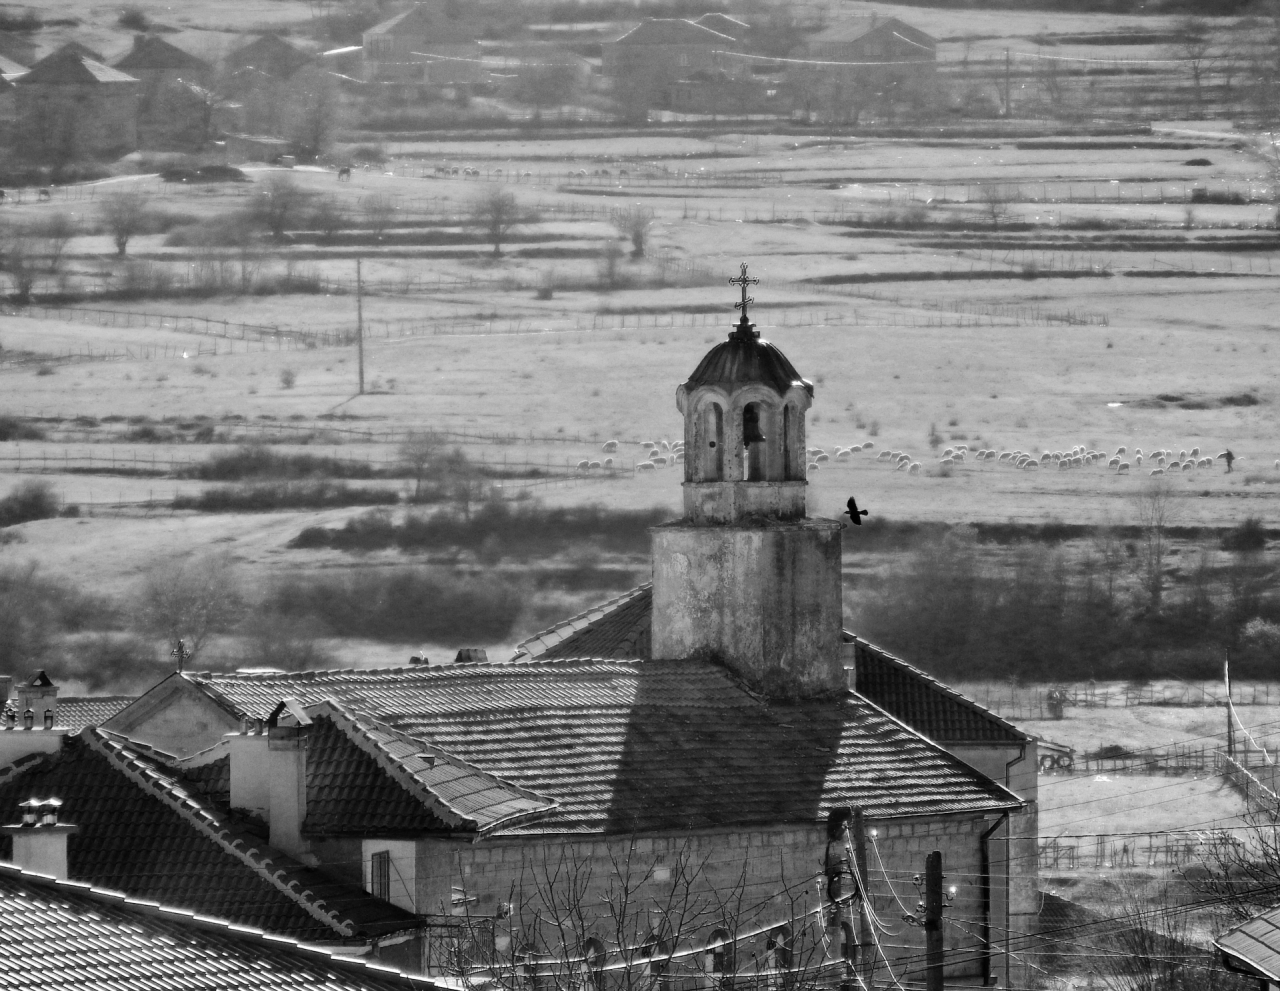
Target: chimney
(29, 725)
(472, 655)
(269, 774)
(40, 841)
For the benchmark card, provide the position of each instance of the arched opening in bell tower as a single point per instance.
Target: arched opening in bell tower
(755, 462)
(707, 461)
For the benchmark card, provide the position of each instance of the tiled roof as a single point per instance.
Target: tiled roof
(155, 53)
(8, 67)
(852, 28)
(723, 23)
(270, 54)
(67, 67)
(745, 358)
(616, 630)
(77, 713)
(142, 830)
(672, 31)
(69, 936)
(647, 745)
(1254, 946)
(426, 20)
(366, 778)
(924, 703)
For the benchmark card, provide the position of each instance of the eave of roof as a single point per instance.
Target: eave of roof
(1255, 944)
(559, 638)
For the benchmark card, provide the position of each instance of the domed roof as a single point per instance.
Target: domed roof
(745, 359)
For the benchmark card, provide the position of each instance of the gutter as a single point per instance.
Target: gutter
(985, 870)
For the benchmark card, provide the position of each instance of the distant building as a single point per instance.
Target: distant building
(175, 106)
(724, 24)
(647, 62)
(877, 64)
(269, 55)
(77, 48)
(430, 46)
(156, 62)
(71, 107)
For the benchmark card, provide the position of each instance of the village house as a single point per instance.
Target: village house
(175, 106)
(70, 107)
(877, 64)
(426, 49)
(645, 64)
(729, 738)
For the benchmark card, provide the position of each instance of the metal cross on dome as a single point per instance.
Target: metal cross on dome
(744, 280)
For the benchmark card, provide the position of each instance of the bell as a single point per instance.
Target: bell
(751, 427)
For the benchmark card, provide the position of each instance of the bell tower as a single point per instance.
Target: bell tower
(745, 577)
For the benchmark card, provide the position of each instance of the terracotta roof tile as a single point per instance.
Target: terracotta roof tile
(145, 829)
(922, 702)
(617, 630)
(76, 713)
(651, 745)
(68, 67)
(67, 936)
(1254, 946)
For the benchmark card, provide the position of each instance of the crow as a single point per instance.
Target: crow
(854, 513)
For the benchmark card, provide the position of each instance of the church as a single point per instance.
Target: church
(648, 789)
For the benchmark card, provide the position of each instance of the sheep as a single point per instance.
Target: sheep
(1077, 462)
(1114, 462)
(1182, 456)
(1004, 456)
(842, 456)
(901, 465)
(821, 459)
(608, 462)
(1174, 466)
(678, 458)
(1123, 469)
(645, 466)
(947, 462)
(1120, 450)
(884, 455)
(959, 455)
(962, 447)
(665, 446)
(1156, 471)
(1138, 451)
(813, 466)
(594, 464)
(609, 447)
(646, 444)
(1064, 465)
(583, 465)
(991, 455)
(1210, 460)
(655, 454)
(868, 445)
(913, 468)
(948, 452)
(1033, 466)
(1138, 460)
(1046, 458)
(1195, 453)
(1205, 463)
(659, 462)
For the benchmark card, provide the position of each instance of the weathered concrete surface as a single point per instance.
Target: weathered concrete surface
(761, 597)
(727, 502)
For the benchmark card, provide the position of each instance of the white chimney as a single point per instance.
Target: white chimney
(269, 774)
(30, 724)
(250, 790)
(40, 841)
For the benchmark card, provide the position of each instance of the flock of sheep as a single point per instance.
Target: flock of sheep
(661, 453)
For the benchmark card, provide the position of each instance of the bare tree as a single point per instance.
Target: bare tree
(278, 204)
(53, 235)
(379, 209)
(18, 257)
(419, 452)
(189, 601)
(1193, 45)
(995, 203)
(313, 110)
(496, 214)
(634, 223)
(1155, 508)
(125, 214)
(328, 217)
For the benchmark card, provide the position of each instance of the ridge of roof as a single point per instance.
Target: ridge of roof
(940, 687)
(153, 52)
(109, 896)
(376, 738)
(117, 751)
(548, 638)
(64, 67)
(672, 30)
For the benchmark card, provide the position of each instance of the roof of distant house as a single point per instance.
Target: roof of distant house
(853, 28)
(75, 713)
(149, 829)
(154, 53)
(76, 48)
(624, 746)
(270, 54)
(8, 67)
(67, 67)
(1254, 946)
(70, 935)
(427, 20)
(725, 24)
(672, 31)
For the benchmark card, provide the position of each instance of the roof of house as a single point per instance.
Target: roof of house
(76, 48)
(363, 777)
(617, 629)
(626, 746)
(426, 20)
(724, 24)
(922, 702)
(66, 67)
(1254, 946)
(75, 713)
(746, 359)
(154, 53)
(67, 936)
(854, 28)
(270, 54)
(147, 829)
(672, 31)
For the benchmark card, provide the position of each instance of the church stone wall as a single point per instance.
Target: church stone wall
(491, 871)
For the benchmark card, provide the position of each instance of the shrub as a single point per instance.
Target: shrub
(266, 496)
(12, 428)
(31, 500)
(1250, 535)
(287, 378)
(133, 19)
(254, 461)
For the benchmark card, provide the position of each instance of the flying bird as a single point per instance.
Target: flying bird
(854, 513)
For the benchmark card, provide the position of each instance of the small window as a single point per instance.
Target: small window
(593, 965)
(658, 952)
(779, 946)
(380, 875)
(719, 962)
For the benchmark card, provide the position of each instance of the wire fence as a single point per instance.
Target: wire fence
(1113, 851)
(1048, 702)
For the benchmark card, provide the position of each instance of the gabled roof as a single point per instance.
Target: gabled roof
(76, 48)
(67, 936)
(66, 67)
(363, 777)
(154, 53)
(724, 24)
(76, 713)
(8, 67)
(854, 28)
(672, 31)
(922, 702)
(617, 629)
(270, 54)
(627, 746)
(426, 20)
(144, 831)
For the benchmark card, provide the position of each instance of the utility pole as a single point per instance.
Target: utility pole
(1006, 82)
(933, 921)
(866, 959)
(1231, 725)
(360, 326)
